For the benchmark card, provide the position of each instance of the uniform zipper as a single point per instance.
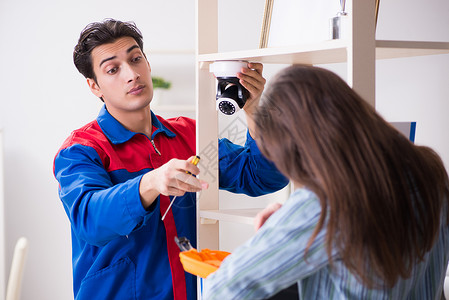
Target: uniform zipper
(155, 148)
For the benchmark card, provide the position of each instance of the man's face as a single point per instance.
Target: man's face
(123, 76)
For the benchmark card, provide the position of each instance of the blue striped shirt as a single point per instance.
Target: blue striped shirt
(273, 260)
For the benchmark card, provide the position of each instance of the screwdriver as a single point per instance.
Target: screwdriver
(194, 162)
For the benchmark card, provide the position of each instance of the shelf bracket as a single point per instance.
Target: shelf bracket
(207, 221)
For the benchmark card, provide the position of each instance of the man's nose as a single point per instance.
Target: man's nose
(130, 73)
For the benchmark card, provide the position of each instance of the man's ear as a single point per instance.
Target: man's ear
(94, 87)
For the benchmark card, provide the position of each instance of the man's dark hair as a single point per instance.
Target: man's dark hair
(99, 33)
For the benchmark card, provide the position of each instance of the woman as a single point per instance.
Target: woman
(369, 216)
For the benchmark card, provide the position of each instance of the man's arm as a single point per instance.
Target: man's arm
(245, 169)
(100, 210)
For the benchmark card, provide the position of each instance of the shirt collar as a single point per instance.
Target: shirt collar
(118, 134)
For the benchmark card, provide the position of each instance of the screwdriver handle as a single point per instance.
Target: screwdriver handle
(194, 162)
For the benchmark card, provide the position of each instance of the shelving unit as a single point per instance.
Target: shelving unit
(360, 51)
(242, 216)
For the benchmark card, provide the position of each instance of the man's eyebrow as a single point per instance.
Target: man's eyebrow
(107, 59)
(132, 48)
(113, 57)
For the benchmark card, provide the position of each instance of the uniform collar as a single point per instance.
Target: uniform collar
(118, 134)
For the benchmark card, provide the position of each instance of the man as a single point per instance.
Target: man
(116, 175)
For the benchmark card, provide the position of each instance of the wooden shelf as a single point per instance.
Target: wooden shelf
(316, 53)
(243, 216)
(398, 49)
(332, 51)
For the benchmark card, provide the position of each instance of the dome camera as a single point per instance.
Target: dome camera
(231, 95)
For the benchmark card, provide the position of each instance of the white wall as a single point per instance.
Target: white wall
(416, 89)
(43, 98)
(2, 221)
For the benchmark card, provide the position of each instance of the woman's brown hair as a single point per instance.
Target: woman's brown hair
(383, 195)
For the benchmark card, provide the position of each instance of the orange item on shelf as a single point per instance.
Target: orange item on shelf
(202, 263)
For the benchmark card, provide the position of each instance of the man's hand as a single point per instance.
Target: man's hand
(170, 179)
(251, 78)
(263, 215)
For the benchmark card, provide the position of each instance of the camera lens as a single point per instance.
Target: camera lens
(231, 95)
(226, 107)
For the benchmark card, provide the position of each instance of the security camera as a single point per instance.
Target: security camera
(231, 95)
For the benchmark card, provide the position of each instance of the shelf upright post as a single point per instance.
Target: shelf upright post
(207, 120)
(361, 49)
